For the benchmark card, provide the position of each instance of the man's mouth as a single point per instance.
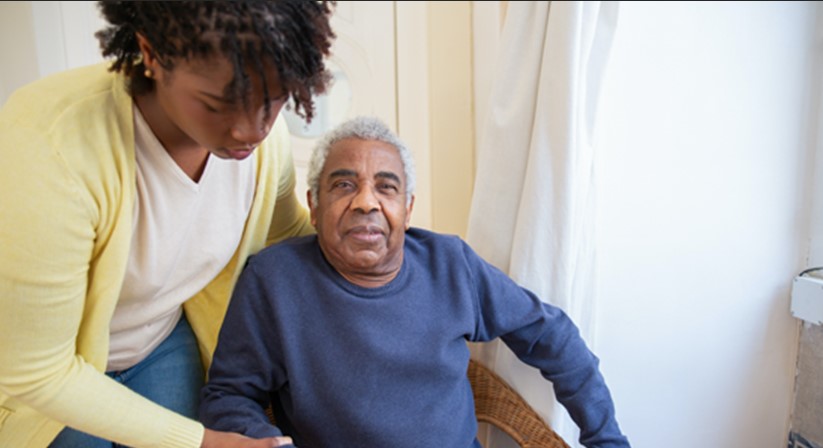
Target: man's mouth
(366, 233)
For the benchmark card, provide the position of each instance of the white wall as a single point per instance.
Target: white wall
(703, 196)
(64, 32)
(17, 47)
(41, 38)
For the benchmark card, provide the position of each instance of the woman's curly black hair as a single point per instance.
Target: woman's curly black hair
(293, 35)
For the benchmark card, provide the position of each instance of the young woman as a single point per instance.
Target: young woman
(132, 194)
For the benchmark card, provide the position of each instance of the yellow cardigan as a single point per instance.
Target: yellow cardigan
(67, 191)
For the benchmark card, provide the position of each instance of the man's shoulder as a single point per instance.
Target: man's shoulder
(418, 234)
(288, 251)
(427, 240)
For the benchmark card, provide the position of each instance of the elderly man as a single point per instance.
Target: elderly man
(357, 335)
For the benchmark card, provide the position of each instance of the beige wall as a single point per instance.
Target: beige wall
(451, 114)
(453, 107)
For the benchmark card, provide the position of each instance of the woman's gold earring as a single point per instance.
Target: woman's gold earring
(148, 73)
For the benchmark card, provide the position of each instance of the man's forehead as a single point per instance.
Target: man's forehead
(353, 153)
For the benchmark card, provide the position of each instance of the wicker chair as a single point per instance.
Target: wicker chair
(497, 404)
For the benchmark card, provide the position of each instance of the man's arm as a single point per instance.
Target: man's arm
(240, 378)
(544, 337)
(553, 344)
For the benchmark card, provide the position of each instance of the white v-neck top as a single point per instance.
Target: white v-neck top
(184, 233)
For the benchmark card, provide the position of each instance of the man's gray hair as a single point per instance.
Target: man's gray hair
(364, 128)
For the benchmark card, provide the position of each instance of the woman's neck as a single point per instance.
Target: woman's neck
(186, 153)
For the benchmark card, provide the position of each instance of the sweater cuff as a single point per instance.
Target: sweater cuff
(184, 433)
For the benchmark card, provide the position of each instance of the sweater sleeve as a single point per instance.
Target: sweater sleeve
(245, 368)
(48, 230)
(544, 337)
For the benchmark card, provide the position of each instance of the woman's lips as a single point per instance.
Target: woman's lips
(239, 154)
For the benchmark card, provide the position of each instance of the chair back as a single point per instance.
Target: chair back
(496, 403)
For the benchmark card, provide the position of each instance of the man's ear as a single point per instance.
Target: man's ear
(409, 212)
(311, 209)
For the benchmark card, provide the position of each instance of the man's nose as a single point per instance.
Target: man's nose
(365, 200)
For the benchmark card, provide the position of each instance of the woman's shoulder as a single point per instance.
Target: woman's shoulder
(74, 104)
(77, 123)
(67, 86)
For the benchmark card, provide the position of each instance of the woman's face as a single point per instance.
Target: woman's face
(192, 98)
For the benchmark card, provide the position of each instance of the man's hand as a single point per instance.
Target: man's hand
(218, 439)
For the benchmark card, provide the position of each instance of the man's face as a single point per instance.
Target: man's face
(361, 216)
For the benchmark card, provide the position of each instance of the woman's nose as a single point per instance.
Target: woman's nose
(250, 128)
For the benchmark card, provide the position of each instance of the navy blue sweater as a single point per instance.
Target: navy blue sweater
(347, 366)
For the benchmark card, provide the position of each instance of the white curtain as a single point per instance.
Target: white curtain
(532, 212)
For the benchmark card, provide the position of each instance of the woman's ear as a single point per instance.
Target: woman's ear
(147, 51)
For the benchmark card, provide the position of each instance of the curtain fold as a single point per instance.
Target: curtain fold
(532, 212)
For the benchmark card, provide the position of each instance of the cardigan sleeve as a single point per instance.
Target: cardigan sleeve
(290, 217)
(50, 238)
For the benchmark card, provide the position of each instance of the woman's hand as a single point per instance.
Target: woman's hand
(218, 439)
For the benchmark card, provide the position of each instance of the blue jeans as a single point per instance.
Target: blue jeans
(171, 376)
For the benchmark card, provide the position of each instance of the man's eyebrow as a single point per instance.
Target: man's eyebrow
(388, 175)
(345, 172)
(342, 172)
